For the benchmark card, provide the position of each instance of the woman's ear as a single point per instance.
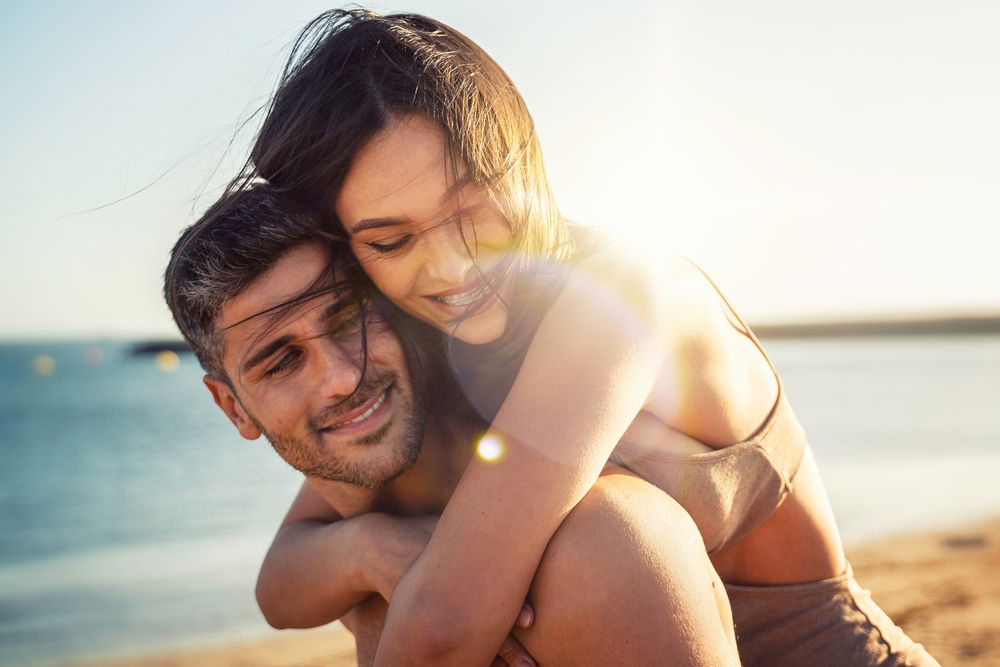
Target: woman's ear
(228, 402)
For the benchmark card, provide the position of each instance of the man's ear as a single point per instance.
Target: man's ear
(227, 401)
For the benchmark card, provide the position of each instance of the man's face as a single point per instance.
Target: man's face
(301, 378)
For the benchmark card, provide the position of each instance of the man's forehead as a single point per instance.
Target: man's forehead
(299, 289)
(289, 277)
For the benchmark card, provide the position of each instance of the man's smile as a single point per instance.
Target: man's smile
(367, 416)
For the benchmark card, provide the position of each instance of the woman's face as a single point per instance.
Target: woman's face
(430, 243)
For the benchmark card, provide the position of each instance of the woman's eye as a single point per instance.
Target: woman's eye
(389, 245)
(286, 361)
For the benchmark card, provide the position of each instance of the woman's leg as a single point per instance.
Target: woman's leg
(626, 580)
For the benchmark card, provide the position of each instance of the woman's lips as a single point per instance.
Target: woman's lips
(465, 298)
(456, 301)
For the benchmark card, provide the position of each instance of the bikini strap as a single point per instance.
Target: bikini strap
(780, 436)
(742, 328)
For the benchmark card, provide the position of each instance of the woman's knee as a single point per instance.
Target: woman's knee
(628, 568)
(623, 515)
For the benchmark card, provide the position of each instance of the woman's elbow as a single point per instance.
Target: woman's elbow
(440, 634)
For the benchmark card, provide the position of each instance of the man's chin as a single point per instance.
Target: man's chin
(365, 476)
(371, 461)
(375, 437)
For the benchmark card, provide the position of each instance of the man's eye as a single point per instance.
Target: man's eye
(285, 362)
(389, 245)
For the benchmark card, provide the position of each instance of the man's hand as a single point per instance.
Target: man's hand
(525, 617)
(400, 542)
(365, 622)
(511, 653)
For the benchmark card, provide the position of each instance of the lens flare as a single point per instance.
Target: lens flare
(489, 449)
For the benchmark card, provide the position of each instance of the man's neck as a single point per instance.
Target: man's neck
(425, 488)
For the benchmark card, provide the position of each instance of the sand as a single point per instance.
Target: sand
(942, 587)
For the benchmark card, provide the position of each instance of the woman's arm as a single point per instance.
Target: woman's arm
(589, 370)
(319, 565)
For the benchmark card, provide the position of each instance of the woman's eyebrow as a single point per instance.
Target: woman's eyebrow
(375, 223)
(472, 205)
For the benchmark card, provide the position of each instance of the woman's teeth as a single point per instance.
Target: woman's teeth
(466, 298)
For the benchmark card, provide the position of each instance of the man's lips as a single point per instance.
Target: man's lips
(357, 418)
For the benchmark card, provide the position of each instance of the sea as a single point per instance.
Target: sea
(133, 518)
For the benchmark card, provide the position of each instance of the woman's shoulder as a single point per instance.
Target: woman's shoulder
(661, 280)
(710, 359)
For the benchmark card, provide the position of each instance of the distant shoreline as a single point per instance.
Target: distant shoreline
(952, 326)
(949, 326)
(976, 325)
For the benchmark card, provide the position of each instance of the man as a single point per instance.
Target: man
(296, 346)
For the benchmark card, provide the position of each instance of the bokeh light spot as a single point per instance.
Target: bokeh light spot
(44, 365)
(167, 361)
(93, 356)
(489, 448)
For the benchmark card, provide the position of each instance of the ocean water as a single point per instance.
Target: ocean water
(133, 517)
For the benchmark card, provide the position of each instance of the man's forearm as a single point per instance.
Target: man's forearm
(316, 571)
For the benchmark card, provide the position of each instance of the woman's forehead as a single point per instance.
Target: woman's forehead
(406, 170)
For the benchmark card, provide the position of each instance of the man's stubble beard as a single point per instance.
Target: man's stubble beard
(312, 459)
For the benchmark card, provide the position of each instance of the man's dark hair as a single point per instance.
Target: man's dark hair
(237, 240)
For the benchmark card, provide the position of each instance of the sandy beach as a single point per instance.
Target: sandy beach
(942, 587)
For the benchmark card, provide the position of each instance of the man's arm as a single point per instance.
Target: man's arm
(320, 565)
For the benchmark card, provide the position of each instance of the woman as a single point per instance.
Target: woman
(579, 351)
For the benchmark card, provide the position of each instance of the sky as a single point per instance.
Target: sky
(821, 160)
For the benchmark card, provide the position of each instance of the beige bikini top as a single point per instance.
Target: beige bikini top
(728, 491)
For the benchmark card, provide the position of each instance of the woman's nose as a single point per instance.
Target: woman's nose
(448, 255)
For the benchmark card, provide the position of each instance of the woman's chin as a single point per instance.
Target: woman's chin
(482, 328)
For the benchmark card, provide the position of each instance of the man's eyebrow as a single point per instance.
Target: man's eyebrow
(263, 353)
(336, 307)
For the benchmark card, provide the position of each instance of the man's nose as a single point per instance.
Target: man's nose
(448, 254)
(341, 369)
